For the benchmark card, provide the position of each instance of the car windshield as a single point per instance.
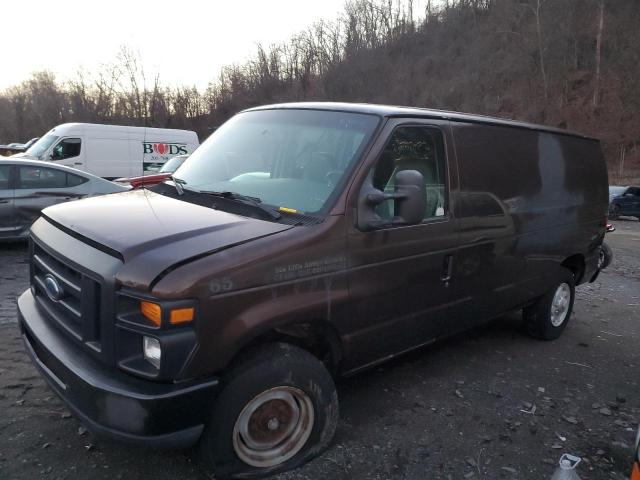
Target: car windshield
(287, 158)
(172, 164)
(615, 191)
(41, 146)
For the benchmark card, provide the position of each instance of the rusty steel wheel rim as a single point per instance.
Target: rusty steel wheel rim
(273, 427)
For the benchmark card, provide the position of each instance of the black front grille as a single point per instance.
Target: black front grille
(77, 310)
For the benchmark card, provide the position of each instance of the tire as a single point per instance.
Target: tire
(615, 211)
(547, 323)
(260, 396)
(606, 256)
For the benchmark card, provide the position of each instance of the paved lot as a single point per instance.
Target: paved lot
(459, 409)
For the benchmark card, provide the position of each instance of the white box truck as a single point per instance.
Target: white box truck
(112, 151)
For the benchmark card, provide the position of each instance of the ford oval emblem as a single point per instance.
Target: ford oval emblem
(53, 288)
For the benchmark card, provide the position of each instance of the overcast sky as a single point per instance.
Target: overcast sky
(185, 41)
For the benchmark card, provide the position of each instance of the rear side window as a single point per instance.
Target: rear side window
(75, 180)
(67, 148)
(413, 148)
(4, 177)
(39, 178)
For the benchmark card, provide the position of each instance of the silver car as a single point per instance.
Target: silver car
(28, 186)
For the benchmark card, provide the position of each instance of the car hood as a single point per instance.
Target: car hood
(152, 232)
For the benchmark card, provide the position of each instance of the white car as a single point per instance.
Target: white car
(28, 186)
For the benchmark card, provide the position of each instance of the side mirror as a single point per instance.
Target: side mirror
(56, 153)
(409, 202)
(412, 205)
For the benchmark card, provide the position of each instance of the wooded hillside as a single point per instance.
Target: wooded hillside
(568, 63)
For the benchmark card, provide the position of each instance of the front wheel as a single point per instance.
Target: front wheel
(548, 316)
(278, 409)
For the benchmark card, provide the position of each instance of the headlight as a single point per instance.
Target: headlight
(153, 312)
(154, 337)
(160, 314)
(152, 351)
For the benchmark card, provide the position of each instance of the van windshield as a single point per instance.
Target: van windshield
(294, 159)
(41, 146)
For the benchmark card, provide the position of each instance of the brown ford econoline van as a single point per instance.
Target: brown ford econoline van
(298, 242)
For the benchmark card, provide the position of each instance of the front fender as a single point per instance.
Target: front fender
(252, 313)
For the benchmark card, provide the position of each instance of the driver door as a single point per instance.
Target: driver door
(68, 151)
(400, 275)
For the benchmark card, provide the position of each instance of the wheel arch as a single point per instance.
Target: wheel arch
(316, 336)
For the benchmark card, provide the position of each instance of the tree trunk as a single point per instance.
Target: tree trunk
(596, 88)
(543, 70)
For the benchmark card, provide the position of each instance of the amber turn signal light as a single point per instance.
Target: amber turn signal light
(152, 312)
(181, 315)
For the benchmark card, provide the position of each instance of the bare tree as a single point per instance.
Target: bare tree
(530, 59)
(536, 7)
(596, 88)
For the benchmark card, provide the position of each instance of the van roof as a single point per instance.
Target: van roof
(118, 127)
(401, 111)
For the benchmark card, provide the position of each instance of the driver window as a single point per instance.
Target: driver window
(413, 148)
(67, 148)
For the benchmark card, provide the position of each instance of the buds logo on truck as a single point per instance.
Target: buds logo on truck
(155, 154)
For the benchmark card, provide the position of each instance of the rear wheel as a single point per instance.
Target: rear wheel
(279, 409)
(548, 316)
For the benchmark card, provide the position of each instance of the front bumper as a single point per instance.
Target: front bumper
(111, 403)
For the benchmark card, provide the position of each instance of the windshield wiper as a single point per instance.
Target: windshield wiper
(178, 183)
(247, 200)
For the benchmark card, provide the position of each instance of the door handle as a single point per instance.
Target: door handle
(447, 269)
(77, 163)
(4, 201)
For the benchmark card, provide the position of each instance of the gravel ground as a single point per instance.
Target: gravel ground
(489, 404)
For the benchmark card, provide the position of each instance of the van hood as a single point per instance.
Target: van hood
(151, 232)
(25, 156)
